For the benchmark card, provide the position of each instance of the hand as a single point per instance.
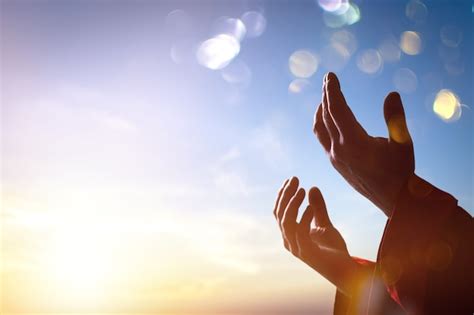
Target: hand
(322, 248)
(376, 167)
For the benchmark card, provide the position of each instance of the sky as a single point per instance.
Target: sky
(143, 143)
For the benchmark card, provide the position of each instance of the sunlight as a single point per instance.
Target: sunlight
(79, 263)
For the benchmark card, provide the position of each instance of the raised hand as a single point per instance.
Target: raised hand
(376, 167)
(322, 248)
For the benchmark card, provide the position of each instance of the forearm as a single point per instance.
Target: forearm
(427, 239)
(348, 274)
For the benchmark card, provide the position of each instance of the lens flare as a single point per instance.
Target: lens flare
(217, 52)
(410, 43)
(303, 64)
(369, 61)
(447, 106)
(451, 35)
(255, 23)
(405, 80)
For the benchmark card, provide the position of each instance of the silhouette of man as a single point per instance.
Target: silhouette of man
(425, 259)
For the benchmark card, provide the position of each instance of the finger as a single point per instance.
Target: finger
(305, 246)
(280, 192)
(316, 201)
(288, 192)
(394, 115)
(342, 115)
(306, 219)
(288, 222)
(327, 119)
(320, 130)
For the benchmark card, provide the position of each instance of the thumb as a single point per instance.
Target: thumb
(395, 119)
(316, 201)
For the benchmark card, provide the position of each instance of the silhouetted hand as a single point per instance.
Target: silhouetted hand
(322, 247)
(376, 167)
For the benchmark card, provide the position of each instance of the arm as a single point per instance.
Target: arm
(321, 248)
(426, 254)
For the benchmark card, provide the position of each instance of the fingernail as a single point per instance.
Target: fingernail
(333, 80)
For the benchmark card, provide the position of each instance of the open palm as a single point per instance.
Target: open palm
(315, 246)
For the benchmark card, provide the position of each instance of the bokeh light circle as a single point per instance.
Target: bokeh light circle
(405, 80)
(410, 43)
(303, 63)
(416, 11)
(353, 14)
(216, 53)
(230, 26)
(255, 23)
(298, 86)
(182, 51)
(334, 20)
(447, 106)
(451, 35)
(345, 38)
(347, 14)
(334, 57)
(238, 73)
(369, 61)
(331, 5)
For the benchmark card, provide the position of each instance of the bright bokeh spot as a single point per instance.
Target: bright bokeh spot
(369, 61)
(447, 106)
(255, 23)
(352, 15)
(389, 50)
(218, 52)
(410, 43)
(405, 80)
(303, 63)
(346, 14)
(230, 26)
(298, 86)
(416, 11)
(451, 35)
(331, 5)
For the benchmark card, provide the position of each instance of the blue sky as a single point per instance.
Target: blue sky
(167, 172)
